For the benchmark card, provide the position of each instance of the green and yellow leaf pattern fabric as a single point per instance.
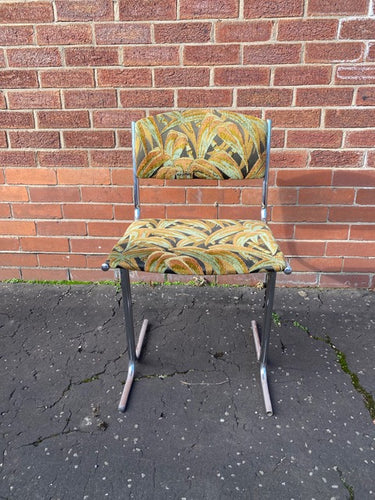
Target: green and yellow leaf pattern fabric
(198, 247)
(201, 143)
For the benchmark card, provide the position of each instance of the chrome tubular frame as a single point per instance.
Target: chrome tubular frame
(137, 206)
(263, 212)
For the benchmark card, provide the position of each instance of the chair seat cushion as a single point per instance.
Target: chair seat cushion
(198, 247)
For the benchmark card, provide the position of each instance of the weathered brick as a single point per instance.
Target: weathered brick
(124, 77)
(359, 264)
(351, 214)
(366, 96)
(314, 138)
(67, 78)
(362, 232)
(351, 248)
(354, 177)
(334, 52)
(44, 244)
(241, 75)
(336, 159)
(89, 139)
(63, 158)
(16, 35)
(264, 97)
(37, 211)
(66, 34)
(18, 78)
(307, 29)
(144, 10)
(13, 193)
(320, 96)
(350, 118)
(321, 231)
(151, 55)
(288, 159)
(91, 56)
(34, 99)
(115, 118)
(2, 101)
(61, 228)
(83, 176)
(371, 52)
(34, 57)
(204, 9)
(15, 228)
(146, 98)
(3, 141)
(355, 75)
(182, 77)
(315, 177)
(337, 7)
(303, 118)
(34, 139)
(302, 75)
(303, 214)
(26, 12)
(11, 158)
(243, 31)
(122, 33)
(106, 194)
(87, 211)
(63, 119)
(183, 32)
(2, 58)
(84, 10)
(273, 53)
(54, 194)
(211, 54)
(366, 196)
(360, 138)
(358, 29)
(102, 98)
(19, 259)
(273, 8)
(115, 158)
(204, 97)
(9, 244)
(16, 119)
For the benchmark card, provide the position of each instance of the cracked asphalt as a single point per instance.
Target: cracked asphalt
(195, 427)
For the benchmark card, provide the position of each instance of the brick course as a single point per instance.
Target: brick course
(74, 74)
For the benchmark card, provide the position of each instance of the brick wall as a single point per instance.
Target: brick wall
(74, 74)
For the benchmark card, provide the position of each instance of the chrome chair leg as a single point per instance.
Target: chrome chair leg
(261, 345)
(133, 351)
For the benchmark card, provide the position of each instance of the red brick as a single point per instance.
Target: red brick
(8, 273)
(2, 59)
(108, 229)
(26, 12)
(299, 214)
(18, 78)
(156, 195)
(235, 212)
(89, 139)
(218, 54)
(150, 211)
(323, 264)
(355, 75)
(273, 8)
(324, 96)
(336, 159)
(63, 158)
(34, 99)
(124, 77)
(355, 177)
(17, 158)
(326, 196)
(88, 98)
(360, 138)
(191, 211)
(3, 140)
(116, 158)
(122, 33)
(115, 118)
(22, 175)
(16, 119)
(67, 34)
(366, 197)
(302, 75)
(15, 228)
(242, 31)
(204, 9)
(91, 56)
(34, 57)
(288, 159)
(19, 259)
(44, 274)
(337, 7)
(204, 98)
(67, 78)
(182, 77)
(150, 55)
(84, 10)
(371, 159)
(122, 176)
(350, 118)
(358, 29)
(304, 118)
(59, 260)
(307, 29)
(34, 139)
(87, 211)
(242, 76)
(2, 101)
(182, 32)
(312, 248)
(279, 196)
(91, 275)
(264, 97)
(89, 245)
(81, 176)
(321, 232)
(9, 244)
(5, 211)
(54, 194)
(36, 211)
(316, 177)
(334, 52)
(144, 10)
(61, 228)
(366, 96)
(362, 232)
(107, 194)
(146, 98)
(126, 212)
(314, 139)
(63, 119)
(351, 214)
(272, 53)
(16, 35)
(364, 265)
(351, 248)
(211, 196)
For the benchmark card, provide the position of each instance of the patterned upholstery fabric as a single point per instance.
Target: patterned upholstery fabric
(200, 143)
(195, 246)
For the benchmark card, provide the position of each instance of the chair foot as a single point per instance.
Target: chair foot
(263, 371)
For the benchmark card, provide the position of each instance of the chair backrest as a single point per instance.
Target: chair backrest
(201, 144)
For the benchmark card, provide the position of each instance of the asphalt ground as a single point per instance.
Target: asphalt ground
(195, 427)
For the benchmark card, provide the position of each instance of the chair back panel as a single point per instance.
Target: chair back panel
(200, 144)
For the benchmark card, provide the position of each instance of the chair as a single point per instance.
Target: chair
(199, 144)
